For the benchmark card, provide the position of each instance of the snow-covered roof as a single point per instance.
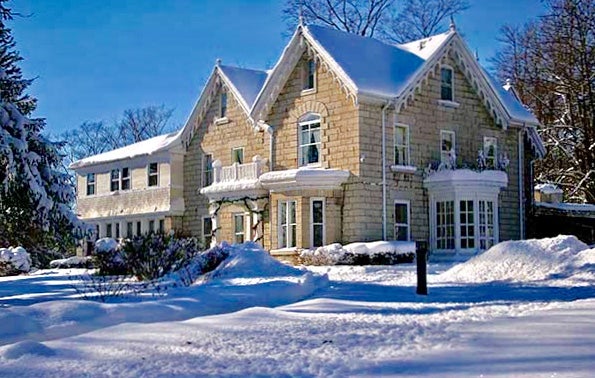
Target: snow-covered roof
(426, 47)
(374, 67)
(246, 82)
(146, 147)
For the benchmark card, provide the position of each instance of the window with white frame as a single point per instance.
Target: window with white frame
(151, 226)
(317, 222)
(237, 155)
(207, 170)
(446, 83)
(445, 225)
(402, 212)
(117, 230)
(490, 152)
(125, 179)
(401, 144)
(287, 224)
(223, 105)
(447, 145)
(90, 184)
(153, 174)
(108, 230)
(115, 180)
(309, 139)
(207, 231)
(239, 228)
(486, 224)
(467, 224)
(129, 230)
(309, 75)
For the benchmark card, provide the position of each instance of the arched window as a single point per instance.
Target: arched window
(309, 139)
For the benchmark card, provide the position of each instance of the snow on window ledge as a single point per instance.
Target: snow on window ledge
(403, 169)
(308, 91)
(448, 104)
(221, 121)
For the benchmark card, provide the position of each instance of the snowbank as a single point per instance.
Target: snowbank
(71, 262)
(17, 256)
(523, 261)
(393, 246)
(378, 252)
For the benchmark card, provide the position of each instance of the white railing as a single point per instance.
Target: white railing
(235, 172)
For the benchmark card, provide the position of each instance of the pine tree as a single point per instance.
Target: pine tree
(35, 196)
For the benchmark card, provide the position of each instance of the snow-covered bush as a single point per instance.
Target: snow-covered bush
(108, 258)
(85, 262)
(372, 253)
(14, 260)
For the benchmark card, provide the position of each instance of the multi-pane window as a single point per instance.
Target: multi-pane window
(287, 224)
(317, 222)
(309, 75)
(207, 231)
(447, 145)
(223, 105)
(490, 151)
(238, 228)
(108, 230)
(151, 226)
(139, 228)
(125, 178)
(153, 174)
(309, 148)
(486, 224)
(161, 226)
(446, 84)
(445, 225)
(90, 184)
(115, 180)
(237, 155)
(401, 145)
(129, 230)
(207, 170)
(467, 224)
(402, 221)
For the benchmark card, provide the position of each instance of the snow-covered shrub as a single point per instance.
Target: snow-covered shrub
(14, 260)
(372, 253)
(152, 256)
(85, 262)
(108, 258)
(202, 263)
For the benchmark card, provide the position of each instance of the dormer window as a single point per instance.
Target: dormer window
(223, 105)
(446, 84)
(309, 75)
(309, 139)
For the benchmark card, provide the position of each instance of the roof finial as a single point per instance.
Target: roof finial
(300, 16)
(477, 55)
(452, 25)
(218, 62)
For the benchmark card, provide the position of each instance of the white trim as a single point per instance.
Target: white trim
(323, 200)
(408, 169)
(407, 144)
(221, 120)
(408, 204)
(449, 104)
(454, 143)
(452, 82)
(303, 178)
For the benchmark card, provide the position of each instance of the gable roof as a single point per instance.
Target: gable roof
(146, 147)
(247, 83)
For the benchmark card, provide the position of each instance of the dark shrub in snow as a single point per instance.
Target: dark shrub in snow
(372, 253)
(108, 258)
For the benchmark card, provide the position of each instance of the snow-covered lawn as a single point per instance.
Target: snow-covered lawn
(500, 314)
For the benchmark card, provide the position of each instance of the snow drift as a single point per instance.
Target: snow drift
(527, 260)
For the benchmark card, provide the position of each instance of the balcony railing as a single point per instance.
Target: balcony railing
(237, 172)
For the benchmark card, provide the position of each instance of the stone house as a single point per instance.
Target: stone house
(350, 139)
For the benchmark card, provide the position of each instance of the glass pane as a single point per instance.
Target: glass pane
(317, 237)
(401, 232)
(283, 237)
(317, 213)
(293, 235)
(292, 216)
(315, 138)
(313, 154)
(238, 223)
(283, 213)
(153, 168)
(401, 213)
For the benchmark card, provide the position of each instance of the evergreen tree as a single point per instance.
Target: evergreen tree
(35, 196)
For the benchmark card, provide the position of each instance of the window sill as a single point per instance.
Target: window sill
(410, 169)
(449, 104)
(221, 121)
(308, 91)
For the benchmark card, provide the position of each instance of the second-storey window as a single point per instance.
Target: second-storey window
(237, 155)
(115, 180)
(446, 84)
(490, 151)
(447, 145)
(401, 145)
(309, 148)
(90, 184)
(223, 105)
(125, 178)
(207, 170)
(153, 174)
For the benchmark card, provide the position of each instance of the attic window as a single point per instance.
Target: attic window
(309, 75)
(223, 105)
(446, 84)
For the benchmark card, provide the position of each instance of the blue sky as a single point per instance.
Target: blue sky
(95, 58)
